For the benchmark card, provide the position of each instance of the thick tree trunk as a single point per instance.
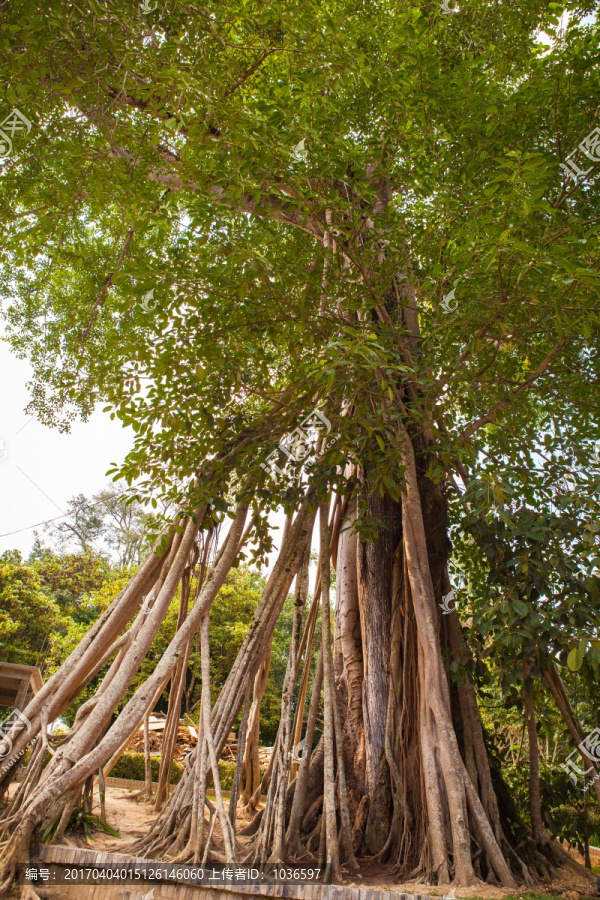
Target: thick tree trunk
(424, 795)
(443, 765)
(348, 658)
(403, 737)
(374, 596)
(411, 844)
(332, 857)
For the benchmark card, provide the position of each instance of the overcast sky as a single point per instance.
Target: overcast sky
(40, 469)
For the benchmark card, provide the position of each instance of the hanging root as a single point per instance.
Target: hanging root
(432, 806)
(27, 893)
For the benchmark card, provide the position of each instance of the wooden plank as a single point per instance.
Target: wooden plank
(21, 698)
(18, 684)
(16, 669)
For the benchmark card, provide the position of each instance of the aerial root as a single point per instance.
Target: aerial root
(28, 893)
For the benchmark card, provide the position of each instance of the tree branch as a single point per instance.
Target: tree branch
(506, 401)
(105, 287)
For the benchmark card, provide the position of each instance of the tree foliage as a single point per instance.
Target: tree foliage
(236, 214)
(28, 615)
(452, 151)
(108, 524)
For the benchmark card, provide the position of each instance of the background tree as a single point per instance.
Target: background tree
(107, 524)
(72, 580)
(28, 615)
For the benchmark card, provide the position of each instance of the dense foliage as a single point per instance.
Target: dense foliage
(49, 601)
(235, 214)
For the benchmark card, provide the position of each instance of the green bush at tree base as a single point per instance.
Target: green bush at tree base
(131, 766)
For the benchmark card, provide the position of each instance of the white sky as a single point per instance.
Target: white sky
(61, 465)
(41, 469)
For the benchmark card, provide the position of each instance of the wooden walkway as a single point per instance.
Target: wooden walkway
(74, 858)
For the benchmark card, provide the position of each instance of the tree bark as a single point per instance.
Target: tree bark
(171, 729)
(348, 657)
(438, 736)
(241, 748)
(374, 596)
(251, 766)
(535, 807)
(147, 759)
(332, 859)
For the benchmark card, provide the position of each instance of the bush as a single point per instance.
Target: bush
(226, 773)
(131, 765)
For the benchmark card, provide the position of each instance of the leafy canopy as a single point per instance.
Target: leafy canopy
(430, 150)
(225, 212)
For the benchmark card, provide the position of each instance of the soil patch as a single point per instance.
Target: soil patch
(132, 817)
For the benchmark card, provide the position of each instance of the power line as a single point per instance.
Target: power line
(57, 518)
(47, 496)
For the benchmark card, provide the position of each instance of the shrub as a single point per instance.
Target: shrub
(226, 773)
(80, 821)
(131, 766)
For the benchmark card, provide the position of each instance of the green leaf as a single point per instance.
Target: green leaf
(574, 660)
(520, 607)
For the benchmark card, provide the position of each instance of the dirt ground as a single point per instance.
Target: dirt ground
(133, 817)
(558, 888)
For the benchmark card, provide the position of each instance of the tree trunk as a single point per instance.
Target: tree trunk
(147, 759)
(374, 596)
(332, 859)
(535, 807)
(443, 765)
(398, 732)
(251, 776)
(348, 658)
(171, 729)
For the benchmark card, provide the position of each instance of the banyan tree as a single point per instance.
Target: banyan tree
(322, 259)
